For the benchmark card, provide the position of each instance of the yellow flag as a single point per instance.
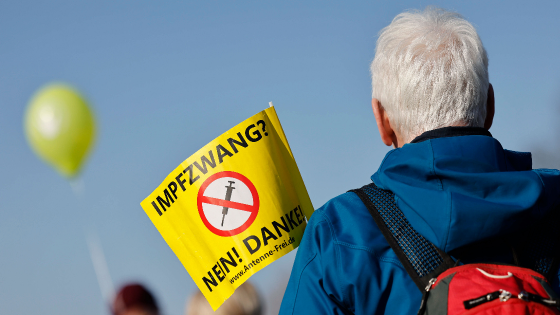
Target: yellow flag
(233, 207)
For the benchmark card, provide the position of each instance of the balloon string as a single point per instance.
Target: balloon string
(94, 245)
(78, 187)
(100, 266)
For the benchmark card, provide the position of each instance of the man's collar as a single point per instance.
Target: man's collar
(451, 132)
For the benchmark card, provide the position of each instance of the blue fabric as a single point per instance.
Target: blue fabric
(453, 191)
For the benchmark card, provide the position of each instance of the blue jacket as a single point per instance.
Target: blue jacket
(453, 190)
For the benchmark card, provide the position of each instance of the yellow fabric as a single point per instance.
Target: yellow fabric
(233, 207)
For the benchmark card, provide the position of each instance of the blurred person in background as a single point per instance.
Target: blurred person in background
(244, 301)
(135, 299)
(456, 186)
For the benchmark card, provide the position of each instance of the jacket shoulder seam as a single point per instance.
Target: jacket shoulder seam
(318, 222)
(338, 259)
(310, 259)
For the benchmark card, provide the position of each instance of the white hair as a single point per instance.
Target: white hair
(430, 71)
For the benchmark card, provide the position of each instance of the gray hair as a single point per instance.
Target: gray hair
(430, 71)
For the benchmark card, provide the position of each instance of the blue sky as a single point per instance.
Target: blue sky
(166, 78)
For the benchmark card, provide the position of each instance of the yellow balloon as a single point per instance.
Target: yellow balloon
(60, 127)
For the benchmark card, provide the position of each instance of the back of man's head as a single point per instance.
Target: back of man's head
(430, 71)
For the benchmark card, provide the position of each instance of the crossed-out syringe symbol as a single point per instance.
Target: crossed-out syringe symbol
(229, 190)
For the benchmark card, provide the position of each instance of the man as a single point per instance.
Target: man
(451, 179)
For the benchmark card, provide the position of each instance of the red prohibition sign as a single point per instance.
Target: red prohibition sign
(226, 204)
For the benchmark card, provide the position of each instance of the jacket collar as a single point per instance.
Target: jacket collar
(451, 132)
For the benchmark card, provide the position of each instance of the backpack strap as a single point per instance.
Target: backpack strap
(421, 259)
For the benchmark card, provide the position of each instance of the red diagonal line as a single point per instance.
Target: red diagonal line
(229, 204)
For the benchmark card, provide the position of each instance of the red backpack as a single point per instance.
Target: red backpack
(450, 288)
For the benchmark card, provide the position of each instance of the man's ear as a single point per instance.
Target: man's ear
(490, 108)
(386, 132)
